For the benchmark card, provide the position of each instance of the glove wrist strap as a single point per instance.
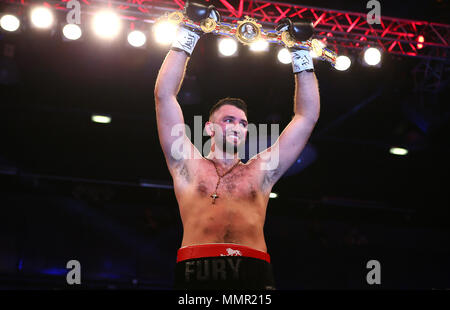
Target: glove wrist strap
(185, 40)
(301, 61)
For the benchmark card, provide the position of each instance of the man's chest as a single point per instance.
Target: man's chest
(230, 187)
(242, 183)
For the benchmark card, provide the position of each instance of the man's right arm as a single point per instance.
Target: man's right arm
(168, 111)
(169, 116)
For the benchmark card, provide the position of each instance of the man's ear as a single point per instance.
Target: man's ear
(209, 127)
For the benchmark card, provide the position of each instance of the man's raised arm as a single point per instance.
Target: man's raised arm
(169, 116)
(168, 111)
(285, 151)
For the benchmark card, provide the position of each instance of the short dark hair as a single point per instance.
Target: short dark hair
(237, 102)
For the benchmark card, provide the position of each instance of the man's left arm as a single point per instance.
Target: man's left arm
(296, 134)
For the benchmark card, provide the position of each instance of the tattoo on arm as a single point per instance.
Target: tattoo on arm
(183, 172)
(269, 178)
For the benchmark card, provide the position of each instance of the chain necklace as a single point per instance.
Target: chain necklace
(214, 195)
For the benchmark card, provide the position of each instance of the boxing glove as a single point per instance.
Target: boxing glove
(186, 37)
(299, 31)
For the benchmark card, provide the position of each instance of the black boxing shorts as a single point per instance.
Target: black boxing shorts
(223, 266)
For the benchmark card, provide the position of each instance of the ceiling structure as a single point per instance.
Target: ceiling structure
(341, 29)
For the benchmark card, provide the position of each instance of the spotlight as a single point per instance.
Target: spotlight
(342, 63)
(273, 195)
(72, 31)
(42, 17)
(136, 38)
(284, 56)
(165, 32)
(103, 119)
(260, 46)
(9, 22)
(372, 56)
(420, 39)
(106, 24)
(398, 151)
(227, 47)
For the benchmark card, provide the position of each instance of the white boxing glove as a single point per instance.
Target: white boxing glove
(301, 61)
(185, 40)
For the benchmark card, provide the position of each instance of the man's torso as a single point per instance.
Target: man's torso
(237, 216)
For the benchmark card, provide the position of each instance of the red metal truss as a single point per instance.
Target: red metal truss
(341, 30)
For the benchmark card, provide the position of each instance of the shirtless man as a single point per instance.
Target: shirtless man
(223, 201)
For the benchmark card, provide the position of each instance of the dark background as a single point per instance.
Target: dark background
(70, 188)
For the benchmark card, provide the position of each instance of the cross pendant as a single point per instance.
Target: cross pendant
(214, 197)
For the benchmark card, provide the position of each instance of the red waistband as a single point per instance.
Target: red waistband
(219, 249)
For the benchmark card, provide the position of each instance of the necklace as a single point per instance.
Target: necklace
(214, 195)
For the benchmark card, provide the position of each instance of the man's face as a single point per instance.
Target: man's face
(230, 127)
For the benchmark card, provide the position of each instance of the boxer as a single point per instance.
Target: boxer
(222, 201)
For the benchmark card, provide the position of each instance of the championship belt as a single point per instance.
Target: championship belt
(248, 31)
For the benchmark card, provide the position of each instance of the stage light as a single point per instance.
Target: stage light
(72, 31)
(342, 63)
(9, 22)
(398, 151)
(420, 39)
(42, 17)
(136, 38)
(106, 24)
(284, 56)
(227, 47)
(273, 195)
(260, 46)
(372, 56)
(102, 119)
(165, 32)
